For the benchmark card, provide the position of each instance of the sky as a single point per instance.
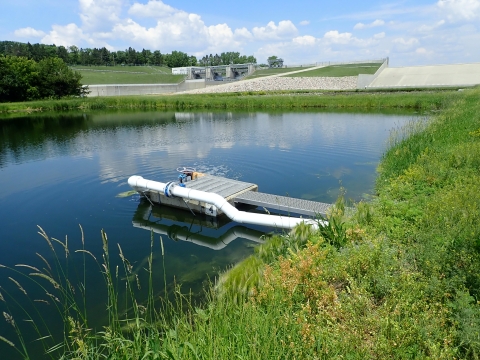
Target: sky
(420, 32)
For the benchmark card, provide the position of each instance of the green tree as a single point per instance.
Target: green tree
(146, 57)
(192, 61)
(73, 55)
(22, 79)
(177, 59)
(131, 56)
(121, 57)
(57, 80)
(85, 56)
(62, 53)
(18, 79)
(104, 56)
(157, 58)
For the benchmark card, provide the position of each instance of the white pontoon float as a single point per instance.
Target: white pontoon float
(214, 196)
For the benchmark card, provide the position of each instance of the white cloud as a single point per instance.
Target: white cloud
(333, 46)
(243, 34)
(428, 28)
(360, 26)
(338, 40)
(336, 37)
(285, 29)
(66, 35)
(402, 45)
(29, 32)
(155, 9)
(409, 42)
(181, 31)
(460, 10)
(306, 40)
(304, 22)
(221, 36)
(100, 14)
(421, 51)
(177, 29)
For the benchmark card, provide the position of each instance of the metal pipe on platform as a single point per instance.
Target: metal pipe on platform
(169, 189)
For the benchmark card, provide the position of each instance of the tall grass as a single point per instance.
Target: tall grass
(129, 328)
(420, 100)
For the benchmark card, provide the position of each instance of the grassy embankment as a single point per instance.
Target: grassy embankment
(327, 71)
(99, 75)
(397, 278)
(340, 70)
(274, 71)
(420, 100)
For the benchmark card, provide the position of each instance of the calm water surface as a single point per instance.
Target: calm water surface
(62, 171)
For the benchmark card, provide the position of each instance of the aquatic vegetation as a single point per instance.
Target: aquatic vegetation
(418, 100)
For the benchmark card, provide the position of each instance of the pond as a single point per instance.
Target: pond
(66, 170)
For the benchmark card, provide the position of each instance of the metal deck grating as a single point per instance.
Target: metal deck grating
(293, 205)
(246, 193)
(227, 188)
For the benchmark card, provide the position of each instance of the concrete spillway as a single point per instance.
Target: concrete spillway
(459, 75)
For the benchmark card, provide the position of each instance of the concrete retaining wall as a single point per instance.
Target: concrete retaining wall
(365, 80)
(144, 89)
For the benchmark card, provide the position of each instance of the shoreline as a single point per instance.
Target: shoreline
(246, 100)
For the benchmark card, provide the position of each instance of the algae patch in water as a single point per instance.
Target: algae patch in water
(126, 194)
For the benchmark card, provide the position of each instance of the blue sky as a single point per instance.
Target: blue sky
(301, 32)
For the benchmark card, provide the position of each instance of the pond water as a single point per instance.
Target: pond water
(64, 170)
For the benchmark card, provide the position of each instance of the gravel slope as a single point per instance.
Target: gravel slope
(283, 83)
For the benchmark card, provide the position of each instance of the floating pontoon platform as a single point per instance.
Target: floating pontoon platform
(233, 191)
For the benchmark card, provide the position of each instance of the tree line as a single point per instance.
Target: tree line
(23, 79)
(73, 55)
(226, 58)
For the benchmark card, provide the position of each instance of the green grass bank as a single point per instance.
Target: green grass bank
(274, 71)
(327, 71)
(340, 70)
(418, 100)
(396, 278)
(99, 75)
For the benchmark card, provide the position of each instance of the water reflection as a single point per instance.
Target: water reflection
(198, 229)
(294, 147)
